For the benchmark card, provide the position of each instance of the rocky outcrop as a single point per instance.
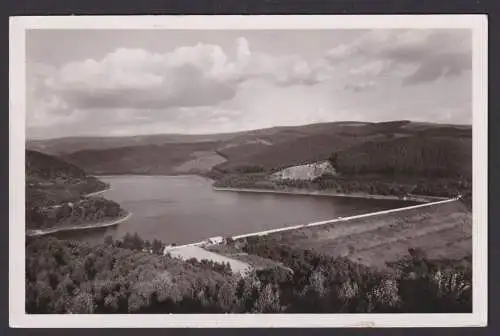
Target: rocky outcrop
(305, 172)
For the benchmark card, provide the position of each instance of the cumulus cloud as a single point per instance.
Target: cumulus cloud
(340, 53)
(181, 86)
(129, 78)
(431, 54)
(219, 88)
(200, 75)
(45, 107)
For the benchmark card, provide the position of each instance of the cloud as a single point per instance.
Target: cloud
(134, 78)
(359, 87)
(136, 85)
(181, 86)
(373, 68)
(431, 54)
(444, 65)
(201, 75)
(45, 107)
(340, 53)
(207, 88)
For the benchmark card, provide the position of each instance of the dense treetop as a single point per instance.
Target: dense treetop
(71, 277)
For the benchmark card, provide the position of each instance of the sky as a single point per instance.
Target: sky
(129, 82)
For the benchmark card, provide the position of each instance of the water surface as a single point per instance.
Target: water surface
(184, 209)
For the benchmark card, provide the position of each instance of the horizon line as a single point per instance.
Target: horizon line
(236, 132)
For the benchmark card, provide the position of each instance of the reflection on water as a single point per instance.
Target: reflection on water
(182, 209)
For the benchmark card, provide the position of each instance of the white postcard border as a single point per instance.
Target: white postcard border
(18, 26)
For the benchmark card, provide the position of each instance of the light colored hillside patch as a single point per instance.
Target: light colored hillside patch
(202, 161)
(256, 141)
(304, 172)
(255, 261)
(189, 252)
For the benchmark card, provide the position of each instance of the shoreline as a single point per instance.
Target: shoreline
(411, 198)
(95, 193)
(38, 233)
(111, 176)
(289, 191)
(107, 175)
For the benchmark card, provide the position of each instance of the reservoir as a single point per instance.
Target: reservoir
(184, 209)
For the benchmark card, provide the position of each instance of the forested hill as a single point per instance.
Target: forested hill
(421, 155)
(56, 194)
(267, 149)
(46, 167)
(392, 158)
(362, 148)
(50, 180)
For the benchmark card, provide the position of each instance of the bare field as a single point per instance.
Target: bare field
(202, 161)
(441, 231)
(188, 252)
(254, 261)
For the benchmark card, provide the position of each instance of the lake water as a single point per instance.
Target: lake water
(184, 209)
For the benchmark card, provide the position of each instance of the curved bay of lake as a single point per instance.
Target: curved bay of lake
(184, 209)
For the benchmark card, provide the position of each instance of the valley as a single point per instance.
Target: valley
(263, 180)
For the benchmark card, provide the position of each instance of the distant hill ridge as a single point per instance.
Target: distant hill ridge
(58, 146)
(268, 149)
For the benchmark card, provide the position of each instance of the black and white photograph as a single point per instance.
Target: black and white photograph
(272, 171)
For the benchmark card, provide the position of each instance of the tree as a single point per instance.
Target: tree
(157, 246)
(333, 159)
(71, 277)
(133, 242)
(108, 240)
(268, 301)
(82, 303)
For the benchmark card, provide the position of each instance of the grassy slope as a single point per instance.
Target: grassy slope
(149, 159)
(442, 231)
(425, 158)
